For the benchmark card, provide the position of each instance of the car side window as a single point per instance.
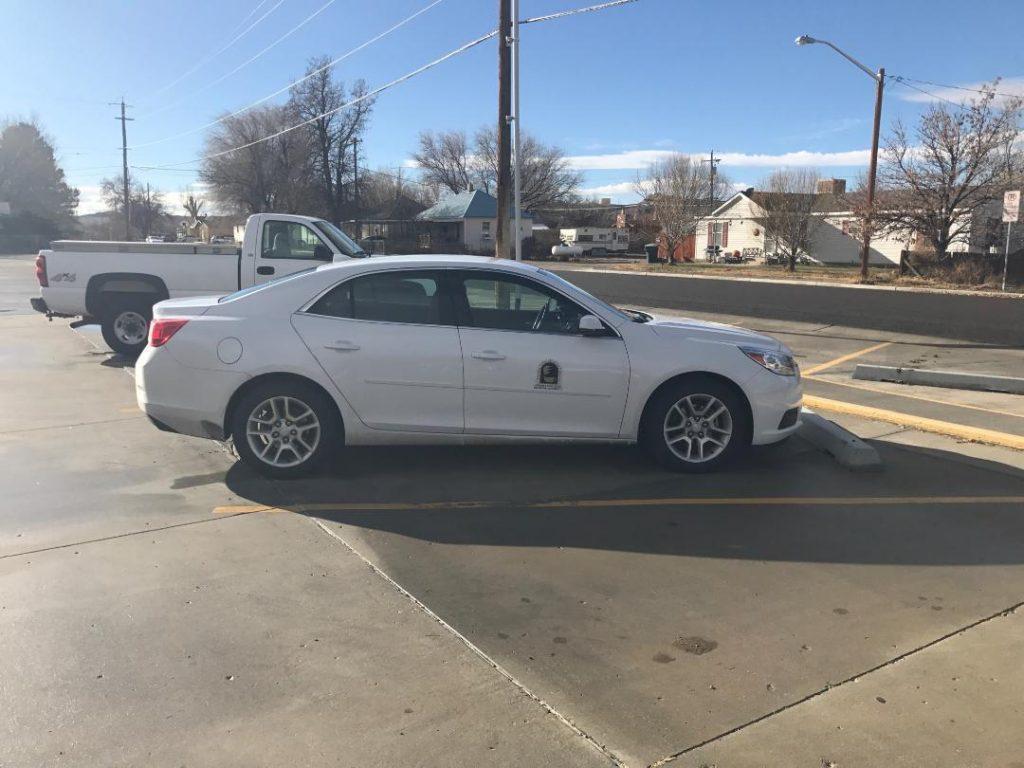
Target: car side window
(392, 297)
(509, 303)
(291, 240)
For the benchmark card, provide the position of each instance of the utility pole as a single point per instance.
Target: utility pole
(355, 182)
(713, 162)
(124, 165)
(516, 152)
(504, 126)
(865, 252)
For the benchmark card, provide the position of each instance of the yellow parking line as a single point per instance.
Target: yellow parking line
(753, 501)
(839, 360)
(950, 429)
(932, 400)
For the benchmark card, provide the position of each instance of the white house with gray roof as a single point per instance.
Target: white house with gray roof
(467, 221)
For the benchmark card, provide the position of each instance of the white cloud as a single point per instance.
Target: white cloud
(641, 158)
(1010, 86)
(621, 189)
(90, 199)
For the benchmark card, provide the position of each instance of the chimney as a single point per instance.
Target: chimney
(831, 186)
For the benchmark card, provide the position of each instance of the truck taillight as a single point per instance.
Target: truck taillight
(44, 281)
(161, 330)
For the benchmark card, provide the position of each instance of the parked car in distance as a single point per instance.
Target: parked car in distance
(455, 349)
(117, 284)
(156, 239)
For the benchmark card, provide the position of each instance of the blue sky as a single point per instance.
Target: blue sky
(613, 89)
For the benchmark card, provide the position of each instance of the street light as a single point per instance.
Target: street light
(879, 78)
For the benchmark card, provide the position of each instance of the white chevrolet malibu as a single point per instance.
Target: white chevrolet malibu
(455, 349)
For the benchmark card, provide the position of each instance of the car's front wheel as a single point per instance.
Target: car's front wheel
(697, 424)
(284, 429)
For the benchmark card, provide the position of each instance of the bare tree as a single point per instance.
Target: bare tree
(262, 175)
(790, 211)
(445, 161)
(678, 189)
(448, 162)
(936, 177)
(547, 181)
(147, 205)
(331, 136)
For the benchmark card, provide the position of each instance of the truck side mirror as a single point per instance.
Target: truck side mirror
(322, 253)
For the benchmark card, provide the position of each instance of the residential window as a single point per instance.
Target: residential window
(717, 234)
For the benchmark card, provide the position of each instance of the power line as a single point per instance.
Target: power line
(291, 85)
(352, 102)
(249, 15)
(575, 11)
(901, 81)
(244, 64)
(205, 60)
(903, 78)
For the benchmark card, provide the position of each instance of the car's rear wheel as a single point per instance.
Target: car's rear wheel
(697, 424)
(125, 326)
(284, 429)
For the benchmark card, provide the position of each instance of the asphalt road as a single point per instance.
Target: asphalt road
(160, 605)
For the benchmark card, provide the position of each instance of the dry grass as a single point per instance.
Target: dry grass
(827, 274)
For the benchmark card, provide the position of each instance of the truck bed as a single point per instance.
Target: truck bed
(114, 246)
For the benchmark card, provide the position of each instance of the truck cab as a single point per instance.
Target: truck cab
(277, 244)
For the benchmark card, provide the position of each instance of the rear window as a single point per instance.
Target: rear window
(261, 286)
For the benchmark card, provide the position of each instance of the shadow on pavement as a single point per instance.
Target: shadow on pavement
(510, 480)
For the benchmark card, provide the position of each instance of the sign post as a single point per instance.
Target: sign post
(1011, 213)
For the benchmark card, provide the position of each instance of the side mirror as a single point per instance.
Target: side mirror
(591, 325)
(322, 253)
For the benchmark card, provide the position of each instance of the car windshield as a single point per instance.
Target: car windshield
(611, 308)
(261, 286)
(341, 241)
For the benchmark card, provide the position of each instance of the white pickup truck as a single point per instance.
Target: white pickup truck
(117, 284)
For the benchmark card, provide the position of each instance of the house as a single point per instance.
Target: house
(467, 222)
(735, 225)
(394, 225)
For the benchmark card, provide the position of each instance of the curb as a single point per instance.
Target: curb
(950, 379)
(845, 447)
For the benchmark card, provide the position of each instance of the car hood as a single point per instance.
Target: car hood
(703, 330)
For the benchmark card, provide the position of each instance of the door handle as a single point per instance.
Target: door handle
(342, 346)
(264, 270)
(488, 354)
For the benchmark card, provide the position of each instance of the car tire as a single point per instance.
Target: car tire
(697, 424)
(125, 325)
(281, 414)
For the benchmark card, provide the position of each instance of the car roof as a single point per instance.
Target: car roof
(427, 261)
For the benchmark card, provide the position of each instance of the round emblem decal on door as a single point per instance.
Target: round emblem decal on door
(548, 376)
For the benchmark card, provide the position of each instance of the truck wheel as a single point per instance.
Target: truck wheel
(126, 326)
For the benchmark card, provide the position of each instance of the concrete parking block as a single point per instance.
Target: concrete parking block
(948, 379)
(841, 444)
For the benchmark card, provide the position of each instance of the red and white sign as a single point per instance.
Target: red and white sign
(1011, 206)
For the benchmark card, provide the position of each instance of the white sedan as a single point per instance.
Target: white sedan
(455, 349)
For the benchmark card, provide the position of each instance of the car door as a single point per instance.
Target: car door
(528, 369)
(389, 343)
(286, 247)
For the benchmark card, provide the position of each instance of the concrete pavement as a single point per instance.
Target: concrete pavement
(540, 606)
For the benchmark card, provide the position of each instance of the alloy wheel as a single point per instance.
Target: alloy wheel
(697, 428)
(283, 431)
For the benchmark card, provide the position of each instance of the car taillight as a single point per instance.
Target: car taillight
(44, 281)
(161, 330)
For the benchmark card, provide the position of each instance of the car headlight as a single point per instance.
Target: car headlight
(776, 362)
